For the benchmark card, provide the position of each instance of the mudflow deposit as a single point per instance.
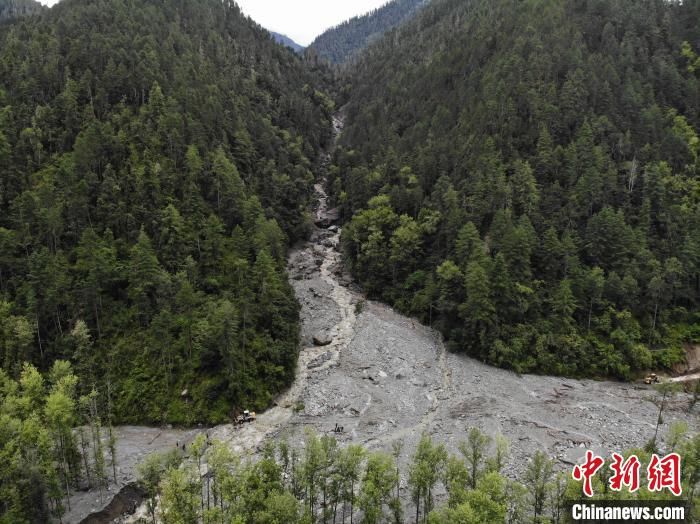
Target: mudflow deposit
(384, 377)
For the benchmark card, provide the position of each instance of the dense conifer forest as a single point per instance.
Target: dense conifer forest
(524, 176)
(157, 162)
(339, 44)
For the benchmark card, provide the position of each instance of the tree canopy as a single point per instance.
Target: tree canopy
(530, 171)
(156, 162)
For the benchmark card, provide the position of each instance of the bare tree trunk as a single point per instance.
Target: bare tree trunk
(428, 505)
(38, 335)
(325, 503)
(113, 453)
(97, 320)
(83, 446)
(653, 324)
(658, 419)
(352, 500)
(58, 322)
(199, 472)
(65, 469)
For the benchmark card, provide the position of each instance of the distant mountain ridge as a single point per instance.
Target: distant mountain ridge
(16, 8)
(286, 41)
(341, 42)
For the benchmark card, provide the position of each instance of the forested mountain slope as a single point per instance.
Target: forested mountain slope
(156, 161)
(524, 174)
(10, 9)
(340, 43)
(286, 41)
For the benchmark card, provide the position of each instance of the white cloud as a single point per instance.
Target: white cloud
(301, 20)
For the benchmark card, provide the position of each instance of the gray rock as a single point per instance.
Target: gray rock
(328, 218)
(322, 339)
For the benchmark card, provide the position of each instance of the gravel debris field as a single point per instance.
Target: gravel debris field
(393, 380)
(385, 378)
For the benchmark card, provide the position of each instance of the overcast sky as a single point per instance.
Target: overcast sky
(301, 20)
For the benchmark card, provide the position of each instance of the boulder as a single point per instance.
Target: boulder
(327, 218)
(322, 339)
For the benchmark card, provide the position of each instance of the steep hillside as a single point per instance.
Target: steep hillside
(286, 41)
(342, 42)
(156, 162)
(536, 166)
(10, 9)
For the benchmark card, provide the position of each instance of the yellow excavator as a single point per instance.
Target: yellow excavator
(247, 416)
(652, 379)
